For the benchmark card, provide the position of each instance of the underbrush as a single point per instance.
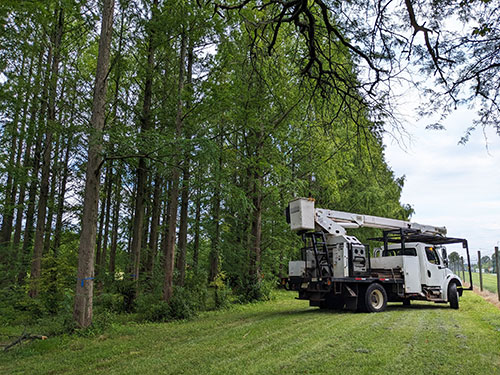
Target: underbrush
(117, 304)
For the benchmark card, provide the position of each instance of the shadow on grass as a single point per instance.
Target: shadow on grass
(418, 306)
(315, 311)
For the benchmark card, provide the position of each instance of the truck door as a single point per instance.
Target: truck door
(432, 268)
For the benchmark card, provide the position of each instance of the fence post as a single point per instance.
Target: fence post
(480, 271)
(463, 268)
(498, 272)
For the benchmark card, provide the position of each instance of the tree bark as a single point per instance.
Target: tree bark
(174, 193)
(82, 311)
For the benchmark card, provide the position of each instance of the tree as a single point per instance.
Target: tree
(84, 286)
(383, 38)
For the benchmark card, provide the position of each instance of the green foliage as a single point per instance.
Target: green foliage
(253, 288)
(184, 304)
(256, 131)
(222, 291)
(112, 302)
(101, 322)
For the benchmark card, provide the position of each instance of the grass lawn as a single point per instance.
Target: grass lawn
(283, 336)
(489, 281)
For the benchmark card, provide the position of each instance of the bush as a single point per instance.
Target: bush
(110, 302)
(196, 287)
(100, 322)
(127, 290)
(221, 291)
(184, 304)
(253, 288)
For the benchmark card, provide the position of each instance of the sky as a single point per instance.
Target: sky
(449, 184)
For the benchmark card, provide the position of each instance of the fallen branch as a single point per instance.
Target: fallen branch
(24, 337)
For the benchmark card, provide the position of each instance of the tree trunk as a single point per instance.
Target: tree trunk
(62, 194)
(214, 251)
(84, 286)
(34, 163)
(117, 189)
(256, 225)
(142, 170)
(174, 192)
(256, 228)
(183, 224)
(105, 239)
(155, 222)
(197, 225)
(47, 156)
(115, 222)
(51, 199)
(101, 224)
(12, 133)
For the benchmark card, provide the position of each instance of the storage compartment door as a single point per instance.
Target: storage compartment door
(411, 269)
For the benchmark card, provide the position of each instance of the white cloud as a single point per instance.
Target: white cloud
(454, 185)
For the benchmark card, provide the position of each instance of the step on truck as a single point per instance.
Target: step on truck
(338, 272)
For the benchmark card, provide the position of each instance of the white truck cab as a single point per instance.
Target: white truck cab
(424, 266)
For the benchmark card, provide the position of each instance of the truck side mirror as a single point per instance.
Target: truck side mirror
(445, 257)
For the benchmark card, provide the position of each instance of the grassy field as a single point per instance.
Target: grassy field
(283, 336)
(489, 281)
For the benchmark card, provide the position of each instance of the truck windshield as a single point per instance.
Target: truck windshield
(432, 255)
(393, 252)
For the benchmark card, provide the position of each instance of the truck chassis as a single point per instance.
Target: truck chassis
(366, 289)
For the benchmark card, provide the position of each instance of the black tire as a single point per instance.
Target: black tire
(453, 295)
(375, 298)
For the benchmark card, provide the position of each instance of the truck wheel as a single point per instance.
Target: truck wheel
(453, 295)
(375, 298)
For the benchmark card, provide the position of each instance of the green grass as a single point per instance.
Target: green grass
(489, 281)
(283, 336)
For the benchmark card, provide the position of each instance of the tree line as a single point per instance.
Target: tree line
(157, 144)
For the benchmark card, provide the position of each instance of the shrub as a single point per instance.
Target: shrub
(100, 322)
(253, 288)
(111, 302)
(183, 304)
(221, 290)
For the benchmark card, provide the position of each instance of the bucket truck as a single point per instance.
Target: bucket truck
(337, 271)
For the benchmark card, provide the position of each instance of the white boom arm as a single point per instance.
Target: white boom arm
(304, 216)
